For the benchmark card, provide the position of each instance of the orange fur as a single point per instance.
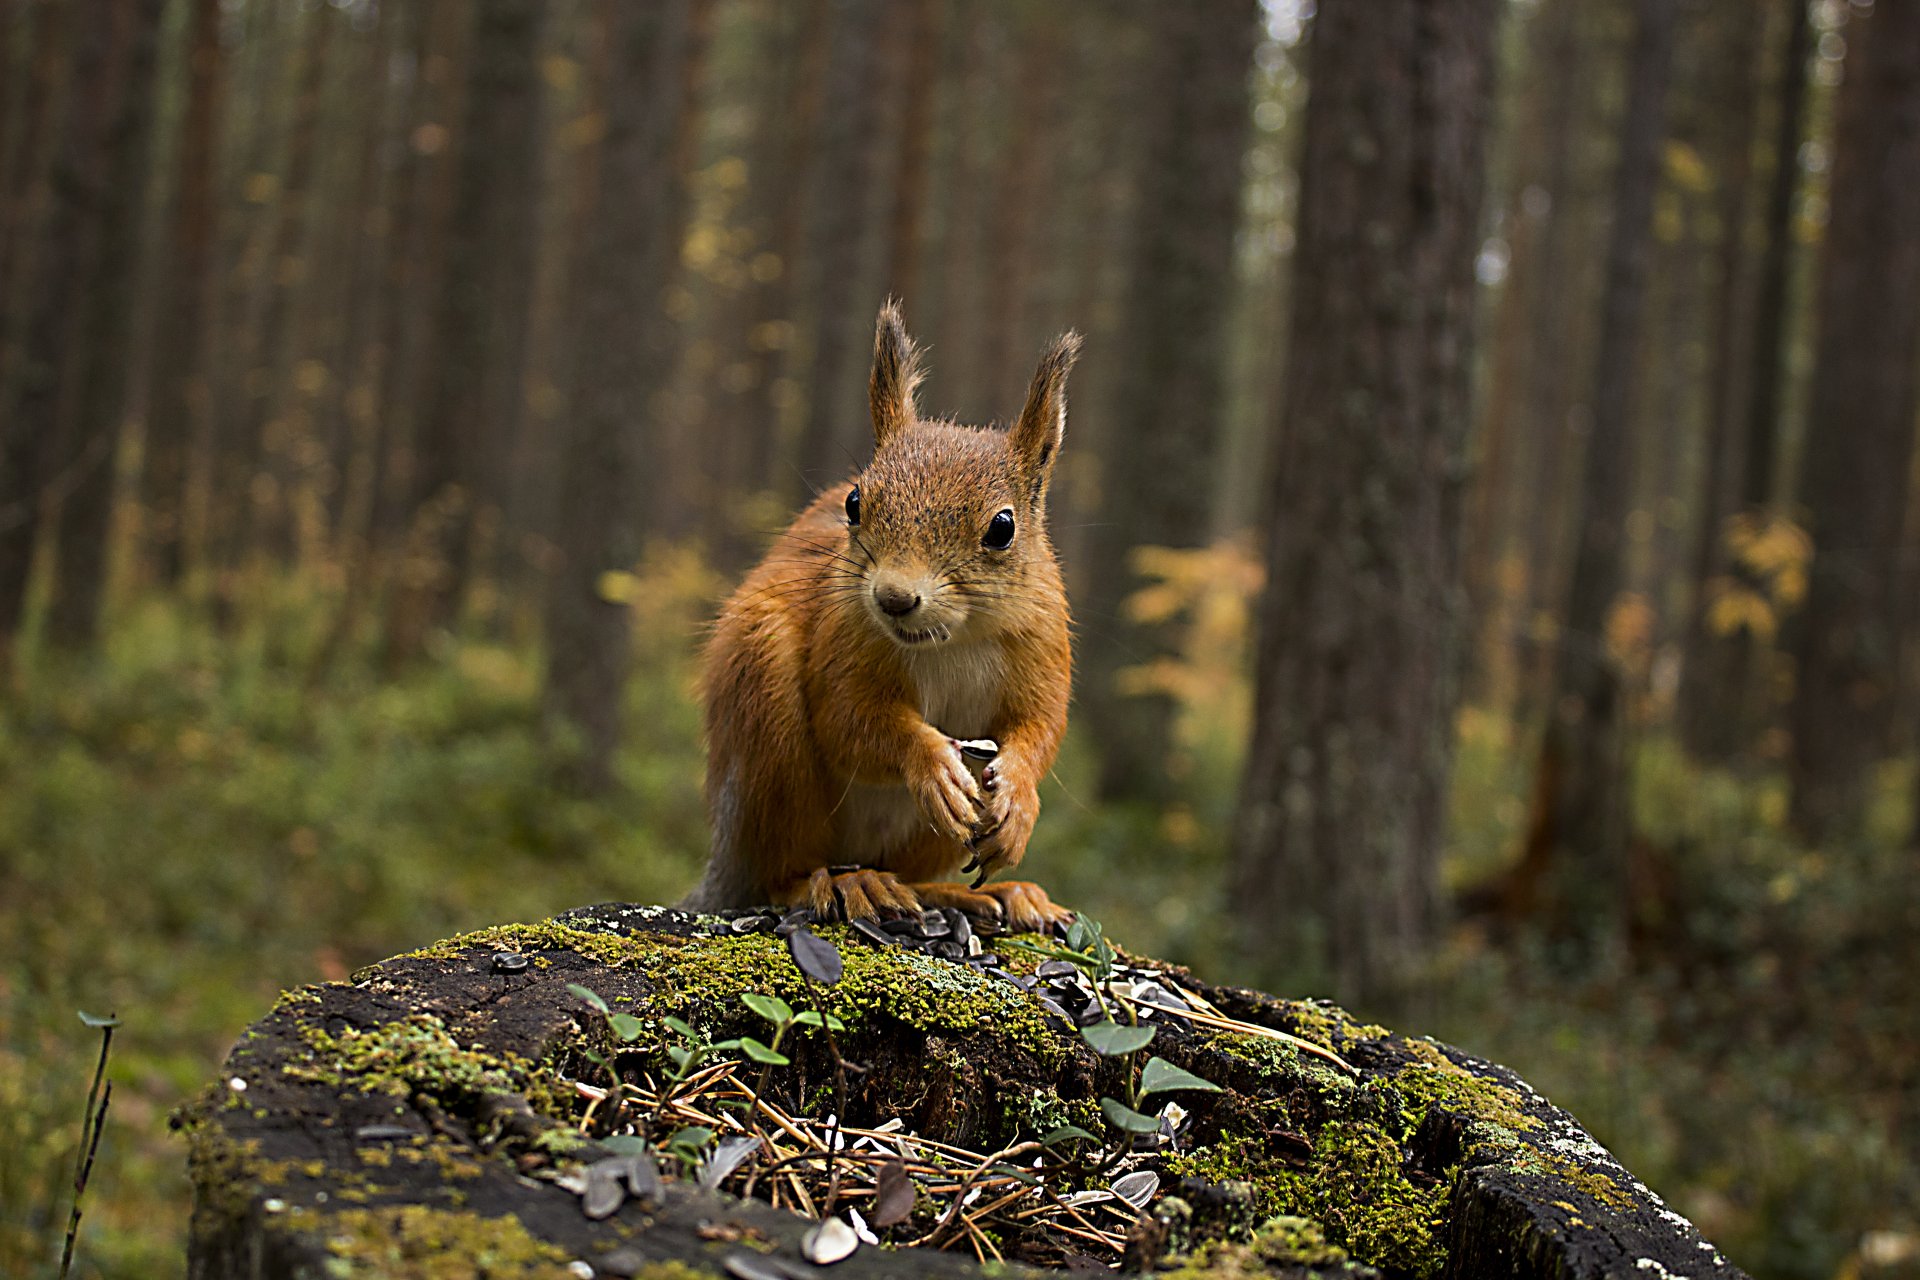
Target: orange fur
(831, 722)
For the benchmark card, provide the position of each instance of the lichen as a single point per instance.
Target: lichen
(414, 1242)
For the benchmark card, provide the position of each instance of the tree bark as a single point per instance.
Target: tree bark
(104, 342)
(182, 390)
(287, 270)
(1865, 395)
(474, 389)
(1336, 847)
(1168, 396)
(623, 348)
(1580, 820)
(30, 367)
(1719, 712)
(834, 434)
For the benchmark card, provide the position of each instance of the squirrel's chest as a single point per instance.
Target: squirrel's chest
(959, 687)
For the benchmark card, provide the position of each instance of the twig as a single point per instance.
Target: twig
(92, 1124)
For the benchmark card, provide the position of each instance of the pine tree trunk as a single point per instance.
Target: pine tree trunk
(182, 388)
(41, 457)
(623, 349)
(1866, 393)
(474, 389)
(1719, 712)
(1336, 848)
(834, 433)
(1168, 396)
(269, 382)
(104, 343)
(1580, 822)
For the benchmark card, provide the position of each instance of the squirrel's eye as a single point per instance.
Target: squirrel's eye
(853, 506)
(999, 531)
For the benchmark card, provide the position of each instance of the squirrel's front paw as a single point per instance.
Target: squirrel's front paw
(1006, 823)
(945, 790)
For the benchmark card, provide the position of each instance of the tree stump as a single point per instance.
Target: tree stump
(440, 1115)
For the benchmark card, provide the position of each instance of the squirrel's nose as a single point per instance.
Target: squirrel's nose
(895, 599)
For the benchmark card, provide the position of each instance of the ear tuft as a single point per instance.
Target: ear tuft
(1043, 422)
(896, 375)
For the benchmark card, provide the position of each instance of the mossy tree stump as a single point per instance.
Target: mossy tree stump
(411, 1122)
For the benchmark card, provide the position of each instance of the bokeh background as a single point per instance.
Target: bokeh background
(1488, 504)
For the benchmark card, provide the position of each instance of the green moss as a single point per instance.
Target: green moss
(1436, 1080)
(1296, 1242)
(417, 1243)
(417, 1054)
(1597, 1185)
(1357, 1184)
(1277, 1062)
(1283, 1243)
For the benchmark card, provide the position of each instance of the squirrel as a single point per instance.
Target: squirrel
(910, 618)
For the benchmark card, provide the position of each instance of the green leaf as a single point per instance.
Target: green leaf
(97, 1022)
(724, 1046)
(1122, 1116)
(1161, 1076)
(625, 1144)
(596, 1058)
(591, 997)
(1114, 1040)
(680, 1027)
(1067, 1133)
(811, 1018)
(626, 1026)
(761, 1053)
(691, 1138)
(680, 1054)
(772, 1008)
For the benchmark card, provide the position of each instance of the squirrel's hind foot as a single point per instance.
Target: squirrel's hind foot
(1021, 905)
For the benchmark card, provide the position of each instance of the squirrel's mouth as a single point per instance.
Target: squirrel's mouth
(938, 633)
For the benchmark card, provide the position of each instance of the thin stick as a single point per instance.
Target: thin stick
(92, 1123)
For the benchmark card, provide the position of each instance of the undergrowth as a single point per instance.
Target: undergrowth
(191, 823)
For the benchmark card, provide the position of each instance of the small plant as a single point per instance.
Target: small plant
(92, 1123)
(784, 1019)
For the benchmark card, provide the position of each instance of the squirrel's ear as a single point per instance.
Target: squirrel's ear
(1043, 423)
(896, 373)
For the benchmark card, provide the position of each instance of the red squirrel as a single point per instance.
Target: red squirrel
(905, 615)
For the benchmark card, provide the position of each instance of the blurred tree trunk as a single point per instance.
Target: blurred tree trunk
(1704, 723)
(787, 175)
(287, 270)
(1024, 192)
(1540, 120)
(182, 387)
(223, 465)
(104, 344)
(23, 191)
(835, 436)
(1169, 394)
(621, 353)
(1721, 715)
(392, 177)
(1336, 847)
(475, 388)
(1578, 829)
(1865, 395)
(1559, 321)
(917, 57)
(58, 191)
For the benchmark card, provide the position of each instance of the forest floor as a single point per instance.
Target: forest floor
(195, 821)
